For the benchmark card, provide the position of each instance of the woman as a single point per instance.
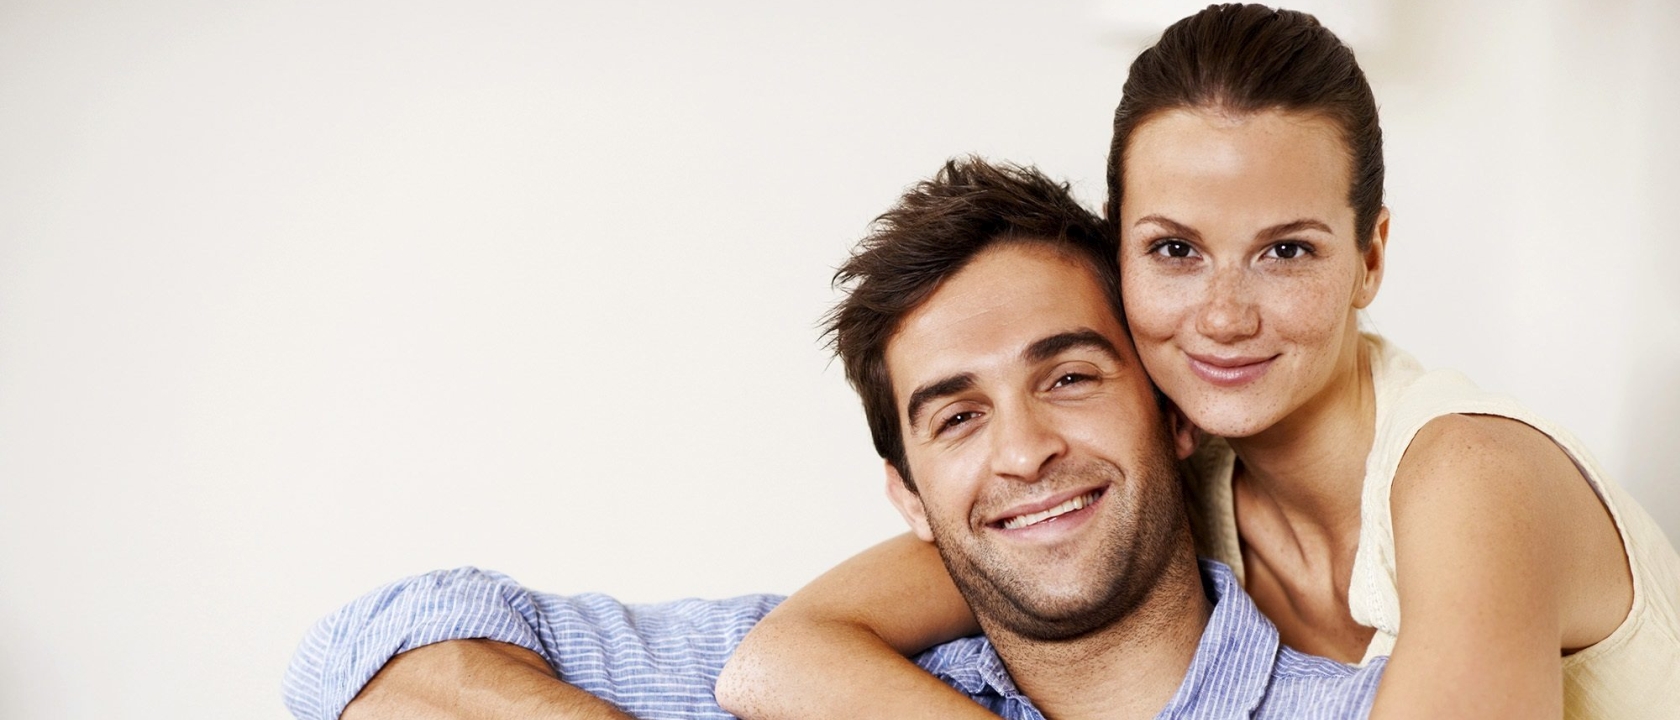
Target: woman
(1346, 486)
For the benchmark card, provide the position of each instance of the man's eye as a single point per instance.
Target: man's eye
(955, 420)
(1171, 248)
(1071, 379)
(1287, 251)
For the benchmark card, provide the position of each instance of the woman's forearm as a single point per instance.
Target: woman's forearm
(793, 671)
(838, 646)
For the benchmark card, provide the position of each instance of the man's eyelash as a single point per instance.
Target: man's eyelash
(953, 421)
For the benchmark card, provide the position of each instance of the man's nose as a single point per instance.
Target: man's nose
(1228, 313)
(1026, 443)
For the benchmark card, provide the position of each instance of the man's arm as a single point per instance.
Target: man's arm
(474, 680)
(343, 651)
(653, 661)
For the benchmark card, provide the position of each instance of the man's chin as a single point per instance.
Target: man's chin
(1045, 610)
(1057, 620)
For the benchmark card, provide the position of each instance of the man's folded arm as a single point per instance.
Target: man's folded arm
(474, 680)
(649, 661)
(343, 652)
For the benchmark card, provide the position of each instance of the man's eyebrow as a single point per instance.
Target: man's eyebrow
(1049, 347)
(1170, 225)
(1290, 228)
(933, 391)
(1039, 351)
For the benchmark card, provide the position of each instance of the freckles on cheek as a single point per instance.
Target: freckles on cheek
(1311, 312)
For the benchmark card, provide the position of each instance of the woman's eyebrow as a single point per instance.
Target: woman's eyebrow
(1170, 225)
(1290, 228)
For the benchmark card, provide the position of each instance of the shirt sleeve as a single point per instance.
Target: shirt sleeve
(653, 661)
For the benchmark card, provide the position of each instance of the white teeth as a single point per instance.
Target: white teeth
(1020, 521)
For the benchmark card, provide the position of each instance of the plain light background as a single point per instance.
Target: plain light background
(296, 299)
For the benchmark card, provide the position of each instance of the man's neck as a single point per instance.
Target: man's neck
(1129, 669)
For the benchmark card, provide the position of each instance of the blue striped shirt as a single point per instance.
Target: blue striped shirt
(661, 661)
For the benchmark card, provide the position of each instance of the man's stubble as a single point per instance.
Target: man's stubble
(1139, 544)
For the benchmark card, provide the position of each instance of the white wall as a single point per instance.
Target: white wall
(296, 300)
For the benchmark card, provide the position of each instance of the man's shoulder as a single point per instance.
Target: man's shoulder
(690, 621)
(1294, 664)
(1309, 686)
(1299, 685)
(749, 608)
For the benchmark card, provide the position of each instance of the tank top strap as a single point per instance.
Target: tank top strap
(1407, 399)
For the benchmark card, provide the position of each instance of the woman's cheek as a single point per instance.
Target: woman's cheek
(1153, 306)
(1309, 314)
(1153, 343)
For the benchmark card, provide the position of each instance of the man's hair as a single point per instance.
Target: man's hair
(934, 230)
(1250, 58)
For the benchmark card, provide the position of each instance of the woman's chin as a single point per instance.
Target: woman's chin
(1228, 419)
(1233, 431)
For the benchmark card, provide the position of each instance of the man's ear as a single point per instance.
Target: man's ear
(1185, 435)
(1375, 259)
(909, 504)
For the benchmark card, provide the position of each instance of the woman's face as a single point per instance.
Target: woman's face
(1239, 267)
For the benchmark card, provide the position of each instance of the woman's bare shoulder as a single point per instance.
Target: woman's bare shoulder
(1493, 454)
(1497, 489)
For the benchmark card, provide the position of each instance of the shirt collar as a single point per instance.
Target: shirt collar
(971, 665)
(1232, 668)
(1228, 677)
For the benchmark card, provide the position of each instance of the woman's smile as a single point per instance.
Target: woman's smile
(1229, 371)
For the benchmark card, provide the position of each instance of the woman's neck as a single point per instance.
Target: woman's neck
(1310, 465)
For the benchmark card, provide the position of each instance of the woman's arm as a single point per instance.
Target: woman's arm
(838, 646)
(1504, 556)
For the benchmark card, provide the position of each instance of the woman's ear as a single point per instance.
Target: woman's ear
(909, 504)
(1375, 259)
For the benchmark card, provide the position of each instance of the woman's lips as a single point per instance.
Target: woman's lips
(1229, 371)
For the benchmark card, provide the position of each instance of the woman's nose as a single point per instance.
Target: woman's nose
(1228, 314)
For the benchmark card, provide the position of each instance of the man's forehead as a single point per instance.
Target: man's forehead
(994, 308)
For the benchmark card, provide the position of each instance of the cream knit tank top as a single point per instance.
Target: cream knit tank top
(1633, 673)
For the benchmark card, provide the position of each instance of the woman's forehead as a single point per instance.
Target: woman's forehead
(1190, 161)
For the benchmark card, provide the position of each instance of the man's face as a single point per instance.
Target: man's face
(1044, 468)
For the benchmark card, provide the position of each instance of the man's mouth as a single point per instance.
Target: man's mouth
(1073, 504)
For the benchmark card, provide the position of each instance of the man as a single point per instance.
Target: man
(982, 330)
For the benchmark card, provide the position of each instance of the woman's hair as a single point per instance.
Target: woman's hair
(1249, 58)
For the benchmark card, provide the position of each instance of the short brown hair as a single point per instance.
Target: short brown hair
(1249, 58)
(934, 230)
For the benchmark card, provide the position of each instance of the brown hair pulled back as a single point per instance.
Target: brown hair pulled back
(1249, 58)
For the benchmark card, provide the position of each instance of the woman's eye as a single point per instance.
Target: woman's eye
(1287, 251)
(1170, 248)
